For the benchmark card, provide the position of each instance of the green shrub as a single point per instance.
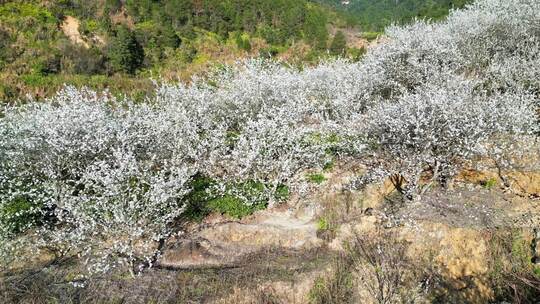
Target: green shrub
(21, 10)
(269, 52)
(490, 183)
(36, 80)
(234, 206)
(316, 178)
(323, 224)
(242, 42)
(88, 26)
(339, 44)
(239, 199)
(282, 193)
(356, 54)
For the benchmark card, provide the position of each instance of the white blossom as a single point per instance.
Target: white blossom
(107, 178)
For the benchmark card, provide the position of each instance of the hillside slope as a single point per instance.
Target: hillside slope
(375, 15)
(44, 44)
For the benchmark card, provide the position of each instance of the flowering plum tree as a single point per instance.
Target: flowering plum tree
(438, 129)
(107, 179)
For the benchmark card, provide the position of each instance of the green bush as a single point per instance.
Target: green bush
(234, 206)
(125, 53)
(339, 44)
(242, 42)
(317, 178)
(356, 54)
(16, 10)
(490, 183)
(239, 199)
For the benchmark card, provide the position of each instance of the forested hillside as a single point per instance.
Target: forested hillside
(120, 44)
(375, 15)
(44, 44)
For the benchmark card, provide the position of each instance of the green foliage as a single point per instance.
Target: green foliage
(36, 80)
(356, 54)
(315, 28)
(269, 52)
(242, 42)
(375, 15)
(125, 53)
(316, 178)
(339, 44)
(88, 27)
(14, 11)
(233, 206)
(323, 224)
(239, 199)
(18, 215)
(490, 183)
(370, 36)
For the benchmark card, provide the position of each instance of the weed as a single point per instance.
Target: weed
(316, 178)
(490, 183)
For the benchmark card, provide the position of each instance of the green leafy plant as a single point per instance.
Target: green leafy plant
(317, 178)
(490, 183)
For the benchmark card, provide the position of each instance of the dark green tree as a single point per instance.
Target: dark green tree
(125, 53)
(315, 28)
(168, 38)
(339, 44)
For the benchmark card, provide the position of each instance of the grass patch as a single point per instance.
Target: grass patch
(316, 178)
(163, 286)
(234, 206)
(513, 276)
(370, 36)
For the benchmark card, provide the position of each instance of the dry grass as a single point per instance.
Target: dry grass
(51, 285)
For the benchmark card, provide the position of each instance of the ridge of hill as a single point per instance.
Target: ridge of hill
(118, 44)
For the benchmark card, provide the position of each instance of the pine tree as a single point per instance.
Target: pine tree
(315, 28)
(339, 44)
(125, 53)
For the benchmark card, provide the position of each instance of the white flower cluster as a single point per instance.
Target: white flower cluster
(443, 94)
(107, 178)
